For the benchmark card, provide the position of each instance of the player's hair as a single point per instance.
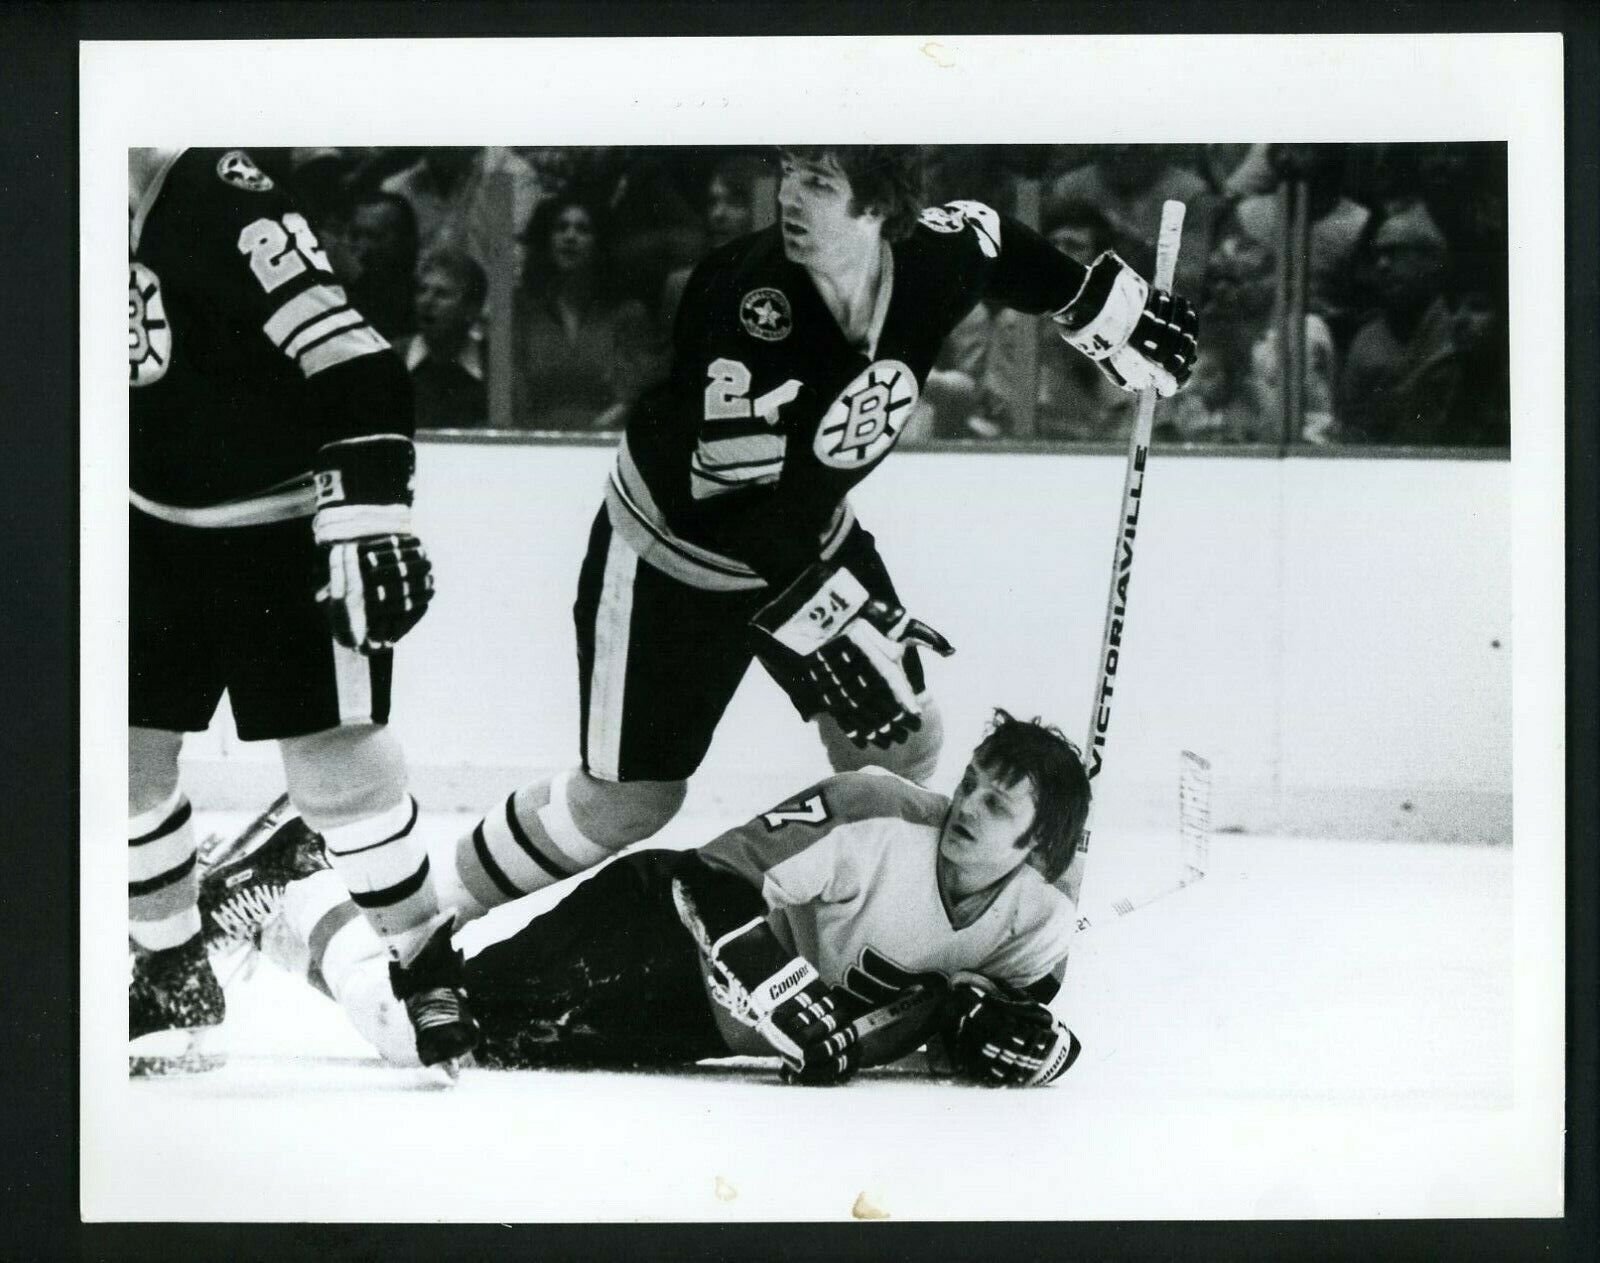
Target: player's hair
(1016, 748)
(885, 178)
(460, 267)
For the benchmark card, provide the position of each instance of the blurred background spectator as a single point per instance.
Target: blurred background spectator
(730, 211)
(448, 192)
(445, 357)
(581, 353)
(381, 253)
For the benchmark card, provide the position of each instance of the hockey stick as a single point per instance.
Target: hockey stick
(1168, 239)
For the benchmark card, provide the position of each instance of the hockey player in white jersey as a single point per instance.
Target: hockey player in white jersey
(845, 927)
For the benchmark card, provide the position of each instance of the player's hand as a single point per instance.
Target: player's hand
(784, 998)
(1142, 338)
(1007, 1043)
(376, 579)
(836, 648)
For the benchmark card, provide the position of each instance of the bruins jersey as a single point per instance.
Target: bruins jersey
(734, 471)
(244, 354)
(848, 873)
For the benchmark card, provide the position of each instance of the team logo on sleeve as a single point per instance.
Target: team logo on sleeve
(954, 216)
(867, 417)
(149, 334)
(236, 168)
(765, 314)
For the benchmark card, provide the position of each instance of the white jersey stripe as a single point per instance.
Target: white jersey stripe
(350, 345)
(608, 679)
(319, 329)
(303, 308)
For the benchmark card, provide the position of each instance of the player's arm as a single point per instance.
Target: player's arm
(378, 580)
(1139, 336)
(761, 983)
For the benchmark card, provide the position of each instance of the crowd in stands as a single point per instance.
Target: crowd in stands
(1403, 335)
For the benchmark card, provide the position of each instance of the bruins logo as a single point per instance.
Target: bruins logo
(867, 417)
(149, 334)
(765, 314)
(236, 168)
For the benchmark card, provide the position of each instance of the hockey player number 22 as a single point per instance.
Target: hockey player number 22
(273, 258)
(728, 394)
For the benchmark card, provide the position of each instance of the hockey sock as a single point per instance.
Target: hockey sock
(531, 841)
(385, 869)
(322, 937)
(163, 886)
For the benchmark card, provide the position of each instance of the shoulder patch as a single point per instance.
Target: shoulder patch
(238, 169)
(765, 313)
(954, 216)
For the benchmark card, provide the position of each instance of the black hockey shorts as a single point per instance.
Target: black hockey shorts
(659, 660)
(234, 609)
(608, 977)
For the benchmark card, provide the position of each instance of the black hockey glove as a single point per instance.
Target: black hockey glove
(836, 648)
(1141, 337)
(376, 579)
(776, 992)
(1007, 1043)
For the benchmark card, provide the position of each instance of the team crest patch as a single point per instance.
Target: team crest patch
(867, 417)
(236, 168)
(149, 334)
(765, 314)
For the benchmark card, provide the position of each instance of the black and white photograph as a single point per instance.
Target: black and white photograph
(873, 629)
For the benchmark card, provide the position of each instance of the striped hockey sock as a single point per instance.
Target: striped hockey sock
(163, 886)
(385, 869)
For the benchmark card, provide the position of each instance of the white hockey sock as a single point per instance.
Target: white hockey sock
(163, 886)
(322, 936)
(385, 869)
(531, 841)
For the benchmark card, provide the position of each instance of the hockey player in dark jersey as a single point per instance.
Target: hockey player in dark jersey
(727, 532)
(270, 556)
(844, 928)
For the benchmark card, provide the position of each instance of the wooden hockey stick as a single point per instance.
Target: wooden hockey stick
(1168, 240)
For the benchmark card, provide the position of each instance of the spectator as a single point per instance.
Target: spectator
(321, 178)
(446, 357)
(448, 192)
(730, 212)
(1239, 398)
(1127, 184)
(1337, 225)
(382, 255)
(581, 355)
(1404, 367)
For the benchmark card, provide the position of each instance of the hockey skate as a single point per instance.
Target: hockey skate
(243, 880)
(175, 1005)
(431, 989)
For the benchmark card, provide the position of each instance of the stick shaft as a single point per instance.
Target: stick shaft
(1168, 241)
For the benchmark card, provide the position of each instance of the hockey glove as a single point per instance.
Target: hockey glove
(1008, 1043)
(1141, 338)
(776, 992)
(835, 648)
(376, 579)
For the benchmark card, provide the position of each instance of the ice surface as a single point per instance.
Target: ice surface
(1305, 1031)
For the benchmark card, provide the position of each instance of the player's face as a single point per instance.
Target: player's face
(988, 816)
(814, 209)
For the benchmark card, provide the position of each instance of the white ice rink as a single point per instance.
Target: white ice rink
(1316, 1028)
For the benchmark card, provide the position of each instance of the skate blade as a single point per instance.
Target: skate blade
(174, 1052)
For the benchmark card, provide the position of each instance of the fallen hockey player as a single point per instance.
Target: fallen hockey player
(847, 927)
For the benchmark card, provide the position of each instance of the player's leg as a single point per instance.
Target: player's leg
(658, 663)
(328, 706)
(174, 686)
(917, 757)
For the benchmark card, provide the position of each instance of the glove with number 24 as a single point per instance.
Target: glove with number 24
(836, 648)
